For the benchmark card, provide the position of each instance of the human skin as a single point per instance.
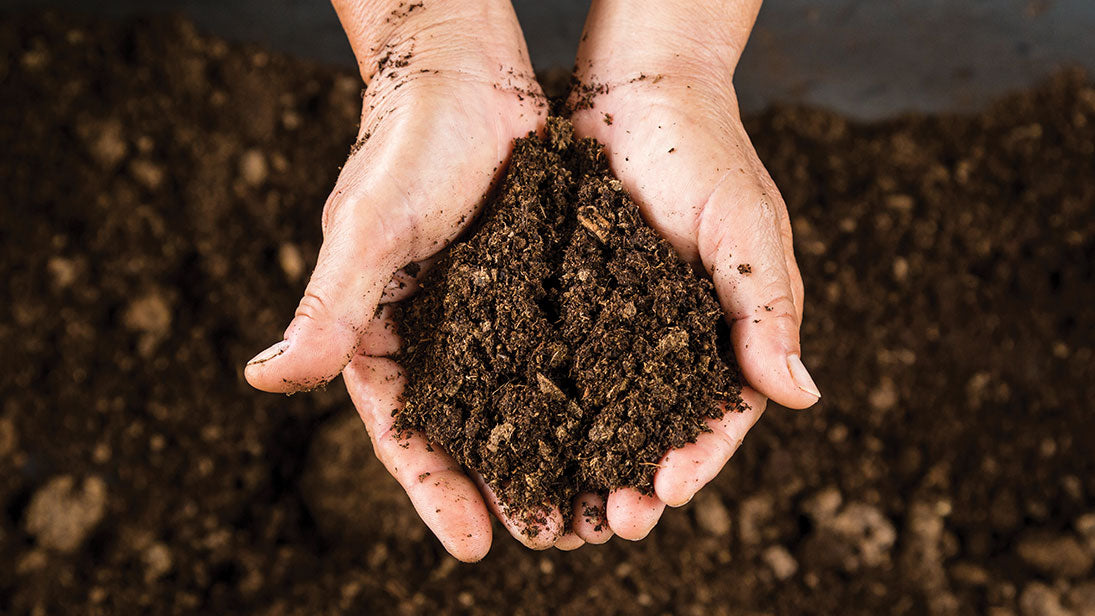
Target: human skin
(673, 135)
(440, 131)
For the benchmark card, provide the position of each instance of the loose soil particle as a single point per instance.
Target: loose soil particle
(563, 347)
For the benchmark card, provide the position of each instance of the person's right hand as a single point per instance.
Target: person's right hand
(449, 88)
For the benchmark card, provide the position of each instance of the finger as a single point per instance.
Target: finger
(381, 337)
(404, 283)
(798, 291)
(590, 520)
(684, 471)
(355, 263)
(632, 514)
(445, 498)
(569, 542)
(540, 534)
(740, 239)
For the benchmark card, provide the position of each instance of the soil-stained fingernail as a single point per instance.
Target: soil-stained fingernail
(270, 353)
(801, 376)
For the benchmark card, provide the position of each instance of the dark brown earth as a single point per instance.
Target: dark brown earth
(563, 347)
(159, 211)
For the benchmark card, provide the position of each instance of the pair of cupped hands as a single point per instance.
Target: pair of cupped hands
(449, 87)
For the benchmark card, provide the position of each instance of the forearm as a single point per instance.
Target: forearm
(430, 33)
(659, 36)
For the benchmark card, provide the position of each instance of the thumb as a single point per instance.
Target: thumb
(355, 263)
(744, 241)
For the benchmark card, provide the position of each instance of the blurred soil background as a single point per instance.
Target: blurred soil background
(159, 216)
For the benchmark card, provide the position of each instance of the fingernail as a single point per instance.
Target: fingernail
(801, 376)
(270, 353)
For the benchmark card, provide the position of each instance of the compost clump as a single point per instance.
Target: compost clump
(562, 346)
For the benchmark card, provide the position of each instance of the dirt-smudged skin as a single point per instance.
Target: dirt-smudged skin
(563, 346)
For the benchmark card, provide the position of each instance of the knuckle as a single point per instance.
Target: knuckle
(785, 321)
(724, 445)
(332, 209)
(382, 448)
(750, 222)
(800, 294)
(797, 287)
(766, 211)
(785, 231)
(780, 303)
(357, 223)
(753, 400)
(388, 232)
(777, 313)
(391, 448)
(314, 306)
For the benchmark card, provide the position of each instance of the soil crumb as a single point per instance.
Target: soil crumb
(563, 347)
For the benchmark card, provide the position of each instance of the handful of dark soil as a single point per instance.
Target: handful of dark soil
(563, 346)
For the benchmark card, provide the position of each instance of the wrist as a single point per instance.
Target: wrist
(656, 37)
(468, 35)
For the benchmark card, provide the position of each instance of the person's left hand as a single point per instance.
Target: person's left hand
(668, 117)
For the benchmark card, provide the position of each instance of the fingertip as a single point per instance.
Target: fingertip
(801, 377)
(631, 514)
(296, 369)
(545, 531)
(590, 519)
(472, 547)
(768, 367)
(469, 547)
(569, 542)
(451, 506)
(406, 281)
(536, 530)
(677, 481)
(684, 471)
(399, 288)
(255, 371)
(311, 355)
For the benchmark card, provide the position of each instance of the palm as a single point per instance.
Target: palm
(673, 145)
(431, 145)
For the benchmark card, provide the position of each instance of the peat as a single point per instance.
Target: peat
(563, 347)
